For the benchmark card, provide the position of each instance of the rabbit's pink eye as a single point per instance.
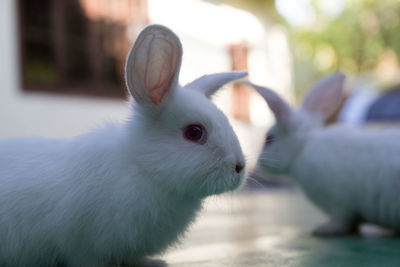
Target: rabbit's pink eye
(195, 133)
(270, 139)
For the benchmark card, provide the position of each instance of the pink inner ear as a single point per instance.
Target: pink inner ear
(161, 64)
(325, 95)
(324, 104)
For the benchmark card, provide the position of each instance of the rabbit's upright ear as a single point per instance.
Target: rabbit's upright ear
(208, 84)
(278, 106)
(324, 97)
(153, 64)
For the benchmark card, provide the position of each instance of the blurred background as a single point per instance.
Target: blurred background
(61, 74)
(62, 61)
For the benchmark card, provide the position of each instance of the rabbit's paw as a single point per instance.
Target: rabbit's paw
(146, 262)
(335, 228)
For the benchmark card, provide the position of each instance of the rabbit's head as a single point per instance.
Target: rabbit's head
(292, 128)
(182, 142)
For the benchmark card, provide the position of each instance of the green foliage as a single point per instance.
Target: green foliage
(355, 41)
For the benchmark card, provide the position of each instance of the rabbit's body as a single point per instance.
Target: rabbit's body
(125, 191)
(352, 174)
(104, 207)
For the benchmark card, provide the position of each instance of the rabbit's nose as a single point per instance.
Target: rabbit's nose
(238, 167)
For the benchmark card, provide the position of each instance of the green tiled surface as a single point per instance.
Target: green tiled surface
(272, 228)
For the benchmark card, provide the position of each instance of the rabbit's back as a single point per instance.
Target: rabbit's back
(354, 170)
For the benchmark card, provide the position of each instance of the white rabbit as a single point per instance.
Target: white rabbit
(125, 191)
(351, 174)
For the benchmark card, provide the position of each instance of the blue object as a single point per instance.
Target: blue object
(386, 107)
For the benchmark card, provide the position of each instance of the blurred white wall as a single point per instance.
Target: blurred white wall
(205, 29)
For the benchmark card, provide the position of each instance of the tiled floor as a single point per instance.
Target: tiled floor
(272, 228)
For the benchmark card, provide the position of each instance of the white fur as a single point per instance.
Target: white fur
(352, 174)
(122, 192)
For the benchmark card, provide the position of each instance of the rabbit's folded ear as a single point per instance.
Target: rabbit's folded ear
(278, 106)
(209, 84)
(324, 97)
(153, 64)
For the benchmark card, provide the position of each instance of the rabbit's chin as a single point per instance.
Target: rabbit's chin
(217, 184)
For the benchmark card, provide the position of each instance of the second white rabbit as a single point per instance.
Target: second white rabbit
(351, 174)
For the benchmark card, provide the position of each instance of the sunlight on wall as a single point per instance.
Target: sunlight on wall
(214, 24)
(296, 12)
(270, 65)
(302, 12)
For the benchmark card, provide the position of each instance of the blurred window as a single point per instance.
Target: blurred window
(77, 46)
